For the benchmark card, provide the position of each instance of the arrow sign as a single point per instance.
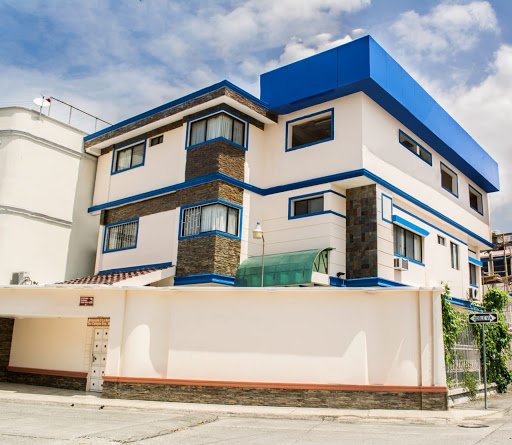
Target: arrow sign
(485, 317)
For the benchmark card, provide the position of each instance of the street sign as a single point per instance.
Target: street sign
(484, 317)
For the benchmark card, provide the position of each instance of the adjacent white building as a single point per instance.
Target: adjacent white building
(46, 184)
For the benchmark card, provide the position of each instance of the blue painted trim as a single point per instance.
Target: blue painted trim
(218, 111)
(400, 132)
(382, 208)
(204, 278)
(373, 281)
(337, 282)
(429, 224)
(465, 303)
(475, 286)
(475, 262)
(180, 101)
(329, 110)
(409, 225)
(118, 224)
(129, 269)
(294, 186)
(419, 263)
(481, 200)
(456, 179)
(213, 232)
(122, 147)
(325, 212)
(472, 251)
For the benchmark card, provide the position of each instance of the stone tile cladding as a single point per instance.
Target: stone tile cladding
(276, 397)
(223, 91)
(53, 381)
(362, 232)
(6, 328)
(171, 201)
(208, 254)
(218, 156)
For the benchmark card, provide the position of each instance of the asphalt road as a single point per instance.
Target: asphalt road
(35, 423)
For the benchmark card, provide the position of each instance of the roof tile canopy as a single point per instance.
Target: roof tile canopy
(112, 277)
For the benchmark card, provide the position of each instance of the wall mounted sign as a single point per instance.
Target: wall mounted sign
(86, 301)
(98, 321)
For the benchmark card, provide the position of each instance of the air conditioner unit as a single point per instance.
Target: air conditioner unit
(400, 264)
(473, 293)
(19, 277)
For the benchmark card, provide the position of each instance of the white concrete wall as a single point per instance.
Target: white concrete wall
(157, 242)
(46, 185)
(284, 235)
(294, 335)
(50, 343)
(384, 156)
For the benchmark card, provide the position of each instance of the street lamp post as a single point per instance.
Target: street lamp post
(257, 233)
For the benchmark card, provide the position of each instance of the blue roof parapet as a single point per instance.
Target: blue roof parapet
(362, 65)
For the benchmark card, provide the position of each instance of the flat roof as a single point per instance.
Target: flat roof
(362, 65)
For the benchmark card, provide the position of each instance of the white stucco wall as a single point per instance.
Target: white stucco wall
(46, 184)
(294, 335)
(57, 344)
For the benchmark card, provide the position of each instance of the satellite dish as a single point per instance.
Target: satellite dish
(42, 102)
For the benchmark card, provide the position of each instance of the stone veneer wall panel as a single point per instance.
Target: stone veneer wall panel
(6, 328)
(313, 398)
(208, 254)
(171, 201)
(53, 381)
(218, 156)
(362, 232)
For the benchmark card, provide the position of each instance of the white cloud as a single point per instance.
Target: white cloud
(485, 111)
(447, 29)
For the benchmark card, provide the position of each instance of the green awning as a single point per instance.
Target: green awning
(283, 269)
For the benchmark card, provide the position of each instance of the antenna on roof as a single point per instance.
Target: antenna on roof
(42, 102)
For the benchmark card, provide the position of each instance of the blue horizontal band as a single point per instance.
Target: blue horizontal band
(130, 269)
(204, 278)
(475, 262)
(409, 225)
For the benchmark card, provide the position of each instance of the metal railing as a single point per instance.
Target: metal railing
(467, 358)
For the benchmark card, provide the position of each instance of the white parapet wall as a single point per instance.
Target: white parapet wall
(390, 336)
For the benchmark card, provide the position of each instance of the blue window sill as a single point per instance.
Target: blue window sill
(308, 145)
(118, 250)
(410, 259)
(474, 285)
(126, 169)
(213, 232)
(318, 213)
(216, 139)
(450, 192)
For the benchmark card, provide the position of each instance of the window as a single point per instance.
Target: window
(472, 274)
(414, 147)
(408, 244)
(129, 157)
(475, 200)
(156, 141)
(308, 206)
(309, 130)
(441, 240)
(121, 236)
(454, 251)
(210, 218)
(220, 125)
(449, 180)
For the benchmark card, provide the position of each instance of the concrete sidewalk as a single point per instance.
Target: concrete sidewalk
(471, 413)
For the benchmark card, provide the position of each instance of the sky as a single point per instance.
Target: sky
(118, 58)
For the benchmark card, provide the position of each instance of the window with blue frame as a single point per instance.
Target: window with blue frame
(472, 275)
(415, 148)
(310, 130)
(308, 206)
(121, 236)
(449, 180)
(220, 125)
(475, 200)
(129, 157)
(454, 254)
(408, 244)
(214, 217)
